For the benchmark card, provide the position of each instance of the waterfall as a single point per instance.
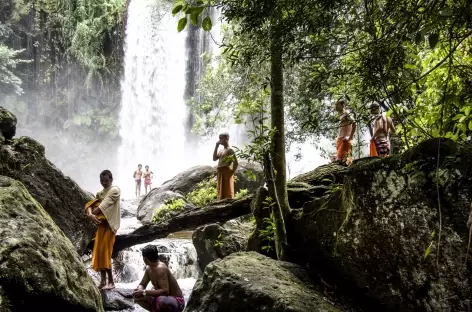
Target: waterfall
(161, 71)
(152, 108)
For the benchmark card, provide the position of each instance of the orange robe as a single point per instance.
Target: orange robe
(343, 149)
(373, 149)
(225, 183)
(104, 241)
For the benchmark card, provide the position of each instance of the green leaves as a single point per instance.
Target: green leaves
(194, 19)
(419, 38)
(428, 250)
(433, 40)
(182, 23)
(446, 12)
(206, 24)
(177, 8)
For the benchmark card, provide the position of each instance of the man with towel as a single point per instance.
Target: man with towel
(227, 165)
(382, 127)
(104, 211)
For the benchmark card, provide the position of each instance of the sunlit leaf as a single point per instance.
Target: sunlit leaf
(206, 24)
(182, 23)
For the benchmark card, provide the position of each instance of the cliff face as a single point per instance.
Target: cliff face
(376, 232)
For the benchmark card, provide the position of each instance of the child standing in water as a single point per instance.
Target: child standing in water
(148, 175)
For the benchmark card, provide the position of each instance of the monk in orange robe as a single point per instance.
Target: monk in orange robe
(104, 211)
(347, 128)
(227, 165)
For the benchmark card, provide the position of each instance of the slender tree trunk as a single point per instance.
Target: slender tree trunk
(278, 122)
(280, 238)
(275, 160)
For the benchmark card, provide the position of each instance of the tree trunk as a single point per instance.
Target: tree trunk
(278, 122)
(280, 238)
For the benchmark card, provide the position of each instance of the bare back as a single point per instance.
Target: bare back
(155, 274)
(382, 126)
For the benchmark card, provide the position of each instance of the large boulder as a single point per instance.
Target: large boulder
(378, 232)
(250, 281)
(23, 159)
(7, 125)
(248, 176)
(39, 266)
(215, 241)
(155, 200)
(118, 299)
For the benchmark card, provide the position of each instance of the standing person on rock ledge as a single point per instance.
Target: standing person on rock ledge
(166, 294)
(382, 126)
(347, 128)
(104, 211)
(226, 157)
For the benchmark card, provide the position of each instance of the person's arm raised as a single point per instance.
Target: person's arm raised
(215, 152)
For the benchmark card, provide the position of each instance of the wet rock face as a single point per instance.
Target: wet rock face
(377, 233)
(39, 267)
(23, 159)
(7, 124)
(250, 281)
(215, 241)
(118, 299)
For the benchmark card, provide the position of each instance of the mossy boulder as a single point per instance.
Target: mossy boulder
(7, 124)
(39, 267)
(323, 175)
(215, 241)
(190, 182)
(250, 281)
(23, 159)
(150, 205)
(377, 234)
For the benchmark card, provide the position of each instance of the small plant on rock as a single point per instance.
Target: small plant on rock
(168, 209)
(206, 193)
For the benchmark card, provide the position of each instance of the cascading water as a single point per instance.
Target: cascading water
(162, 68)
(153, 108)
(128, 268)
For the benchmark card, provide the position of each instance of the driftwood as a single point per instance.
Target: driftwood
(221, 211)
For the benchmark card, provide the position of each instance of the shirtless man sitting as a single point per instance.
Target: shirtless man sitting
(166, 294)
(382, 127)
(347, 128)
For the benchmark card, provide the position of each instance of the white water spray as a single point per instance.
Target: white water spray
(152, 108)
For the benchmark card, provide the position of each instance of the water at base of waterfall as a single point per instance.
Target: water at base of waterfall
(177, 251)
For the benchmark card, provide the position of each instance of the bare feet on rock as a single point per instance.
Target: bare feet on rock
(109, 286)
(101, 285)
